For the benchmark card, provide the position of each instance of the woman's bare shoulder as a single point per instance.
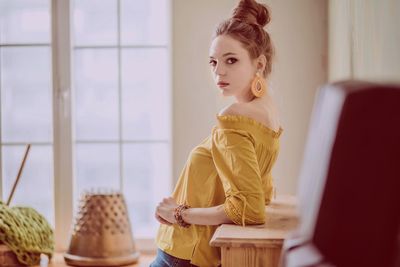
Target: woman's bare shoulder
(260, 113)
(232, 109)
(243, 109)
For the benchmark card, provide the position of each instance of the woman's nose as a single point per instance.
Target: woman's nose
(220, 70)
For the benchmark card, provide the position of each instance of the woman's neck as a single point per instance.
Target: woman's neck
(249, 97)
(245, 98)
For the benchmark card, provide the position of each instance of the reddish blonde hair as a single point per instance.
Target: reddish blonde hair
(247, 26)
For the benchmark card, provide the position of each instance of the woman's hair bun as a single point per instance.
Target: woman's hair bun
(251, 12)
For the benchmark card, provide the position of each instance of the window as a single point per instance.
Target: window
(120, 104)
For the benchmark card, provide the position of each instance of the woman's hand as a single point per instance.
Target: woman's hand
(161, 220)
(165, 211)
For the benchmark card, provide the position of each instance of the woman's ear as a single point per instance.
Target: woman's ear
(261, 63)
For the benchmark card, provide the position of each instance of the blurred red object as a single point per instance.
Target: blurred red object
(349, 199)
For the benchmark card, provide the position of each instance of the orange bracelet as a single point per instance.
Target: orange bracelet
(178, 215)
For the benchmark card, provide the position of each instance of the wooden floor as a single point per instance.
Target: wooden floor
(144, 261)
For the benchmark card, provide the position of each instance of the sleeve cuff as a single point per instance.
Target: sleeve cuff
(236, 216)
(232, 213)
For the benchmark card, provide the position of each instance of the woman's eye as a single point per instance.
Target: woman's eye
(231, 60)
(212, 62)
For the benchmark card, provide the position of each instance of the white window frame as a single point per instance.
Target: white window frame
(62, 121)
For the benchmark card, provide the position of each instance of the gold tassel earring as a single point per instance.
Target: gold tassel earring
(258, 86)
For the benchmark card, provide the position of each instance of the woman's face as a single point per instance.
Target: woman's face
(231, 66)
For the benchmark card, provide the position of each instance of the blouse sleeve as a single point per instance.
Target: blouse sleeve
(237, 166)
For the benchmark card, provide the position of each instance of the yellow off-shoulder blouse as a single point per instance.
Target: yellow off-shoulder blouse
(232, 166)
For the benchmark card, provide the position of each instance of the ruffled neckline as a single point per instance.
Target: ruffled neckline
(251, 121)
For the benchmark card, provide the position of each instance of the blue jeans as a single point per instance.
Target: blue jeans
(165, 260)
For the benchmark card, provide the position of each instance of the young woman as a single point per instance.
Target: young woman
(227, 178)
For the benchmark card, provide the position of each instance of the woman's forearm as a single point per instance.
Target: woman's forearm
(206, 216)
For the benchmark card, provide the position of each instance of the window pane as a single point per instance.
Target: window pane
(97, 166)
(145, 94)
(96, 92)
(35, 187)
(95, 22)
(144, 22)
(26, 97)
(145, 104)
(24, 21)
(146, 180)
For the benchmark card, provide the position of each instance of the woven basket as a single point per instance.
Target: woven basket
(101, 235)
(8, 257)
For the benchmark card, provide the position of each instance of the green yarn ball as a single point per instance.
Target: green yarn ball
(26, 233)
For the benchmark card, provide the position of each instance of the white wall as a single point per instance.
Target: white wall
(364, 40)
(299, 32)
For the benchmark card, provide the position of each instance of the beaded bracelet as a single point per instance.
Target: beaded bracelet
(178, 215)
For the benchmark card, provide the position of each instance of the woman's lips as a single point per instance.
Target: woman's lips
(222, 84)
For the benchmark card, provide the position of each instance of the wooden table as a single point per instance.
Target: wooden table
(258, 245)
